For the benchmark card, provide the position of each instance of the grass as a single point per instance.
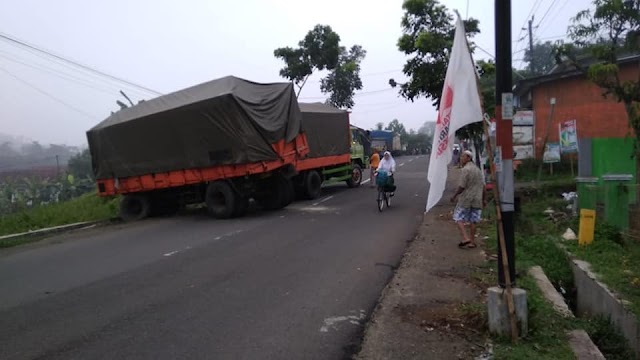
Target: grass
(536, 245)
(528, 171)
(88, 207)
(615, 261)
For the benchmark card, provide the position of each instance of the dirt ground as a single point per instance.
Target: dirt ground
(434, 306)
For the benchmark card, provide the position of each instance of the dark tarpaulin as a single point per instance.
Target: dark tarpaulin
(221, 122)
(327, 129)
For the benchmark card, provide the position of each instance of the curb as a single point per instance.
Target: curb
(579, 341)
(55, 229)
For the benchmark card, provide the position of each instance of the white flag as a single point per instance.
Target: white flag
(459, 106)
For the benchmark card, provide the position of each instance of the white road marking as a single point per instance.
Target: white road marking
(332, 322)
(323, 200)
(402, 164)
(365, 181)
(171, 253)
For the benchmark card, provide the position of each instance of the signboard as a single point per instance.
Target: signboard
(552, 153)
(522, 135)
(523, 117)
(507, 106)
(497, 159)
(568, 136)
(523, 151)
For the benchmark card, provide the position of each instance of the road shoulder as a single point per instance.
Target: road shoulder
(423, 312)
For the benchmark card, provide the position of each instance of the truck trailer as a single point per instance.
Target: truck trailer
(223, 143)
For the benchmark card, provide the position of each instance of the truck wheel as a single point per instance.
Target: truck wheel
(221, 200)
(134, 207)
(312, 185)
(356, 176)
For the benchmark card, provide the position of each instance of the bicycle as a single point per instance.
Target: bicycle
(384, 194)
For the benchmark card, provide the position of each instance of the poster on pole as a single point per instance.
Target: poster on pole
(568, 136)
(551, 153)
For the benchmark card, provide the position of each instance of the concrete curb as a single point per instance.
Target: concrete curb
(55, 229)
(579, 341)
(595, 298)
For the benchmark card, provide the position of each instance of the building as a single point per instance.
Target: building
(576, 97)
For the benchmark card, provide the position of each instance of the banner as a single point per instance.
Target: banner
(459, 106)
(568, 136)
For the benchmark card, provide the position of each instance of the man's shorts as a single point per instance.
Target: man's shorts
(469, 215)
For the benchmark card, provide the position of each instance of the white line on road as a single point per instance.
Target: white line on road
(402, 164)
(323, 200)
(365, 181)
(171, 253)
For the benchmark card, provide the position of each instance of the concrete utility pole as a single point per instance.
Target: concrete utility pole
(532, 58)
(504, 133)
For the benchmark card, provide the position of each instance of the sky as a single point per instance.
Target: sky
(166, 46)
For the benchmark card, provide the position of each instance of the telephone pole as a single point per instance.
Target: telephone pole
(531, 57)
(504, 135)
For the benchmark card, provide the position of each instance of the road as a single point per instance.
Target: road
(295, 284)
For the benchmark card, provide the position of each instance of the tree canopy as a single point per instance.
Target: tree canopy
(320, 50)
(428, 30)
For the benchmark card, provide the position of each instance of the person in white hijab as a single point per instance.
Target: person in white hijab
(387, 163)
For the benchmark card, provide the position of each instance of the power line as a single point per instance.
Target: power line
(48, 95)
(358, 94)
(33, 47)
(547, 12)
(59, 74)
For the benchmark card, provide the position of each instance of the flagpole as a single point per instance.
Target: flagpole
(496, 199)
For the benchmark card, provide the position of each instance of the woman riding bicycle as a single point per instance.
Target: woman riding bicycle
(388, 165)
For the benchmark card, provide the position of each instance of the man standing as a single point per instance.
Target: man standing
(471, 198)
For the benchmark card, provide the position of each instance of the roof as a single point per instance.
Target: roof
(562, 71)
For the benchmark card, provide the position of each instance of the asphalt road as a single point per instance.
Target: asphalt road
(294, 284)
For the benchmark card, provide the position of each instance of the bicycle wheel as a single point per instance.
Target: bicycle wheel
(380, 200)
(387, 198)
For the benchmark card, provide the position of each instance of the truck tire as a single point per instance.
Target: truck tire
(221, 200)
(289, 192)
(134, 207)
(356, 177)
(312, 185)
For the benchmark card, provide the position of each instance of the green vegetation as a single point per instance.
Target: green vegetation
(88, 207)
(614, 259)
(536, 238)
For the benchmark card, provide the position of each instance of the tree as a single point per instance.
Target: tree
(320, 50)
(428, 32)
(610, 30)
(541, 58)
(398, 128)
(344, 80)
(80, 165)
(379, 126)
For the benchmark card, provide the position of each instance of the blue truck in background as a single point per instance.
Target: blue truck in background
(386, 140)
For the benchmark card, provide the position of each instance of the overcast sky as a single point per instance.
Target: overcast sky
(169, 45)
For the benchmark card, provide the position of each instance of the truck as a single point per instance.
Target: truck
(224, 143)
(336, 150)
(386, 140)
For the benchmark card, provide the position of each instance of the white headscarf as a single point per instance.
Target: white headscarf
(387, 165)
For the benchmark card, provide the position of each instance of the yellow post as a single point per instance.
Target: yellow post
(587, 226)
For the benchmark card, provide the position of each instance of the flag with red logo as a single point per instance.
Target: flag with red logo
(459, 106)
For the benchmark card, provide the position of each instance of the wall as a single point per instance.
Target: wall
(580, 99)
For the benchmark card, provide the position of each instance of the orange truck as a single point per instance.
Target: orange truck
(224, 142)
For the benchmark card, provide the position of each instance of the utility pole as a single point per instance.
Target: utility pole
(57, 166)
(531, 57)
(504, 135)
